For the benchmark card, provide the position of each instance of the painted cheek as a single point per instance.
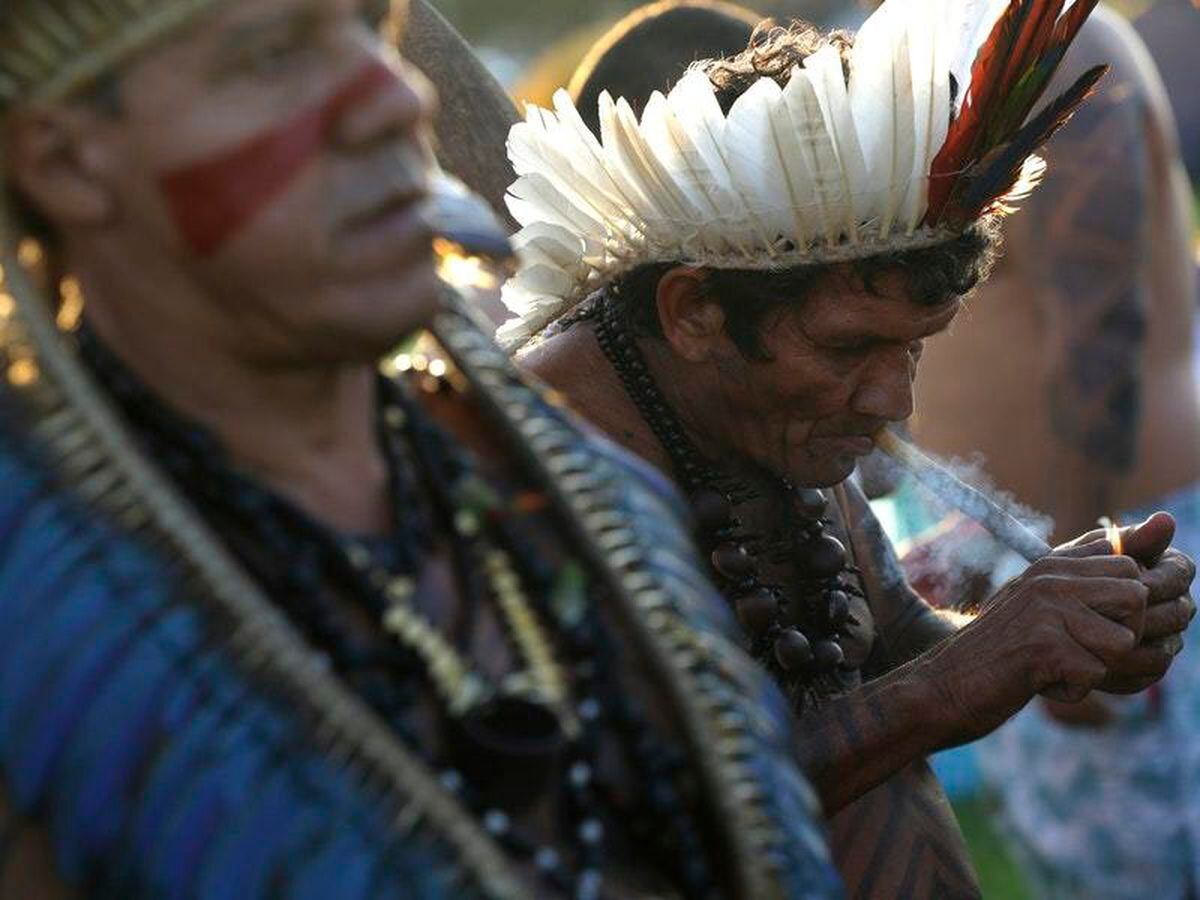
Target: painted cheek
(213, 199)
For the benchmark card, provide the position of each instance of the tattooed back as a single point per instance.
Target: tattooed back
(1071, 370)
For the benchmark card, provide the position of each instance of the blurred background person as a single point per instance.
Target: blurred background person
(1171, 30)
(651, 48)
(1071, 375)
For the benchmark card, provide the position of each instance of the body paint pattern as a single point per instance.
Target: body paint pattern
(213, 199)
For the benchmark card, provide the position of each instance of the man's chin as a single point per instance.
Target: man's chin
(376, 320)
(824, 473)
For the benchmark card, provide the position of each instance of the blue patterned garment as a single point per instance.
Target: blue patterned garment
(160, 769)
(1111, 813)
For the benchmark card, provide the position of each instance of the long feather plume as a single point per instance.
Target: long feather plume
(996, 174)
(1011, 70)
(833, 96)
(966, 130)
(881, 101)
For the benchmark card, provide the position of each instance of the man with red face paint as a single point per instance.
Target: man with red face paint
(276, 620)
(737, 284)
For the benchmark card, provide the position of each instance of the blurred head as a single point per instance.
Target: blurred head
(653, 46)
(252, 179)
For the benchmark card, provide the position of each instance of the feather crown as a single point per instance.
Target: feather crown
(926, 136)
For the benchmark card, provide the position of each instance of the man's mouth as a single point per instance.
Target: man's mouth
(390, 231)
(395, 203)
(857, 444)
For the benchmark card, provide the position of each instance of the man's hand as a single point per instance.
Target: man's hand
(1093, 712)
(1169, 607)
(1060, 628)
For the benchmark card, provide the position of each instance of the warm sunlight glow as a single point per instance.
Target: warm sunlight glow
(461, 270)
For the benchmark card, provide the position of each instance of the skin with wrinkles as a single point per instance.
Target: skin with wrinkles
(840, 364)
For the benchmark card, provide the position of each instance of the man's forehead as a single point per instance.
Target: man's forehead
(235, 17)
(233, 22)
(886, 313)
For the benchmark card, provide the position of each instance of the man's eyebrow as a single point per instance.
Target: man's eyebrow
(869, 339)
(243, 35)
(852, 339)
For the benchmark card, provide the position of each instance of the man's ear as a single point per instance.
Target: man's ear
(54, 167)
(692, 322)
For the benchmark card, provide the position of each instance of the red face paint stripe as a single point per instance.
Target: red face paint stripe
(214, 199)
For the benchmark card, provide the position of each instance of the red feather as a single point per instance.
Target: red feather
(1036, 30)
(1070, 22)
(1024, 48)
(966, 128)
(994, 175)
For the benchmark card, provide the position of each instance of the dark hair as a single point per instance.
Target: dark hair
(653, 46)
(933, 275)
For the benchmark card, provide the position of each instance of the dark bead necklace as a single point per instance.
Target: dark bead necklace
(795, 633)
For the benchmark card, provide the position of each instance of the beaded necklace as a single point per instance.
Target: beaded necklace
(506, 739)
(796, 634)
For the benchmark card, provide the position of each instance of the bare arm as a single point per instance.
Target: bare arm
(905, 625)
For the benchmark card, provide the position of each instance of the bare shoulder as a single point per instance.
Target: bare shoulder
(573, 364)
(551, 359)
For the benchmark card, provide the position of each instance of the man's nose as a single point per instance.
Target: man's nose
(400, 106)
(886, 390)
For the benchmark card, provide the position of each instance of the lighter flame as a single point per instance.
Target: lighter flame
(1112, 531)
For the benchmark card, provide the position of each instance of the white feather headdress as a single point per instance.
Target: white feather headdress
(823, 169)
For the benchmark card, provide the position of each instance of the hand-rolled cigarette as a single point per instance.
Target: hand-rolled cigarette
(966, 499)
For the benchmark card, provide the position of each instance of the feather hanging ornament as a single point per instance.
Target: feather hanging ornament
(823, 169)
